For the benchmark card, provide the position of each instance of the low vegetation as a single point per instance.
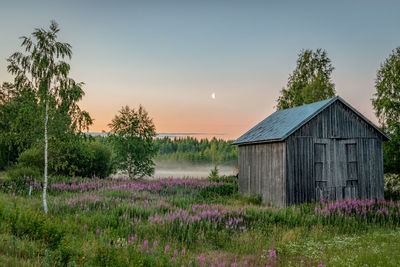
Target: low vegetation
(190, 222)
(100, 221)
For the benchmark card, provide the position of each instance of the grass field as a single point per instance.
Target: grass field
(190, 222)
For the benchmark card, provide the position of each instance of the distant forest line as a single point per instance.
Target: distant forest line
(192, 150)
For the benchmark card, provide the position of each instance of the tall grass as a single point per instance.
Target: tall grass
(190, 222)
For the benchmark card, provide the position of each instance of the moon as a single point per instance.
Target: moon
(213, 95)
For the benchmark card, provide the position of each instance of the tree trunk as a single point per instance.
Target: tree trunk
(45, 157)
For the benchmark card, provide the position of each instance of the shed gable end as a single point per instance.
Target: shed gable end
(337, 121)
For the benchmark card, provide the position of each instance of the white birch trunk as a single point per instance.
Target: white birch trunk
(45, 156)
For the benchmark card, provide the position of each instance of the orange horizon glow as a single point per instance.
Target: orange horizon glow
(172, 57)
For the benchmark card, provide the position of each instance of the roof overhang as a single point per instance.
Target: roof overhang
(337, 98)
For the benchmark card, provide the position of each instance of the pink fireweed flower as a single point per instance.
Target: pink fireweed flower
(321, 265)
(175, 252)
(183, 252)
(201, 258)
(272, 254)
(145, 243)
(166, 249)
(173, 259)
(97, 231)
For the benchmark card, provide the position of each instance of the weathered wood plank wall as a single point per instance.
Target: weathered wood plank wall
(347, 175)
(262, 171)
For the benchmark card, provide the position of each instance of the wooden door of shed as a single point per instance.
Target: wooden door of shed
(335, 168)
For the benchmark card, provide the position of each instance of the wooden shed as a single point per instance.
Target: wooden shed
(323, 149)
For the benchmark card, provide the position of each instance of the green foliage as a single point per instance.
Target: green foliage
(310, 81)
(133, 133)
(20, 122)
(110, 225)
(192, 150)
(35, 226)
(64, 254)
(73, 155)
(392, 186)
(219, 190)
(254, 199)
(214, 174)
(224, 179)
(18, 171)
(40, 77)
(386, 103)
(43, 70)
(101, 164)
(107, 256)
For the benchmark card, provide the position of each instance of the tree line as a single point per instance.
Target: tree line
(192, 150)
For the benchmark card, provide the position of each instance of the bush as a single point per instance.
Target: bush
(30, 163)
(20, 183)
(224, 179)
(392, 186)
(214, 174)
(19, 171)
(70, 156)
(100, 164)
(219, 190)
(36, 227)
(109, 256)
(252, 199)
(65, 253)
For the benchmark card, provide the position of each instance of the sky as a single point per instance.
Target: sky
(171, 56)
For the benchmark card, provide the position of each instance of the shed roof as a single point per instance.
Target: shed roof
(282, 123)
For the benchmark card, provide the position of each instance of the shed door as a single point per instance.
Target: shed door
(335, 169)
(346, 169)
(321, 168)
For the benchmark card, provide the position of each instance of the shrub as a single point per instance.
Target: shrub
(19, 171)
(392, 186)
(218, 190)
(30, 163)
(214, 174)
(252, 199)
(224, 179)
(70, 156)
(100, 164)
(19, 183)
(65, 253)
(32, 157)
(35, 226)
(109, 256)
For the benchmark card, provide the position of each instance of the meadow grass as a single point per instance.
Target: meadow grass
(190, 222)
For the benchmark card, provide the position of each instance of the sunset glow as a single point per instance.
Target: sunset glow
(167, 56)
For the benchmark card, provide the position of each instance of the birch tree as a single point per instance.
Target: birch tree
(310, 81)
(133, 133)
(41, 67)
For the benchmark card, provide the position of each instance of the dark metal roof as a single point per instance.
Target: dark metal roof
(282, 123)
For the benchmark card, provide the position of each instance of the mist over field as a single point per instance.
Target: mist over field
(181, 170)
